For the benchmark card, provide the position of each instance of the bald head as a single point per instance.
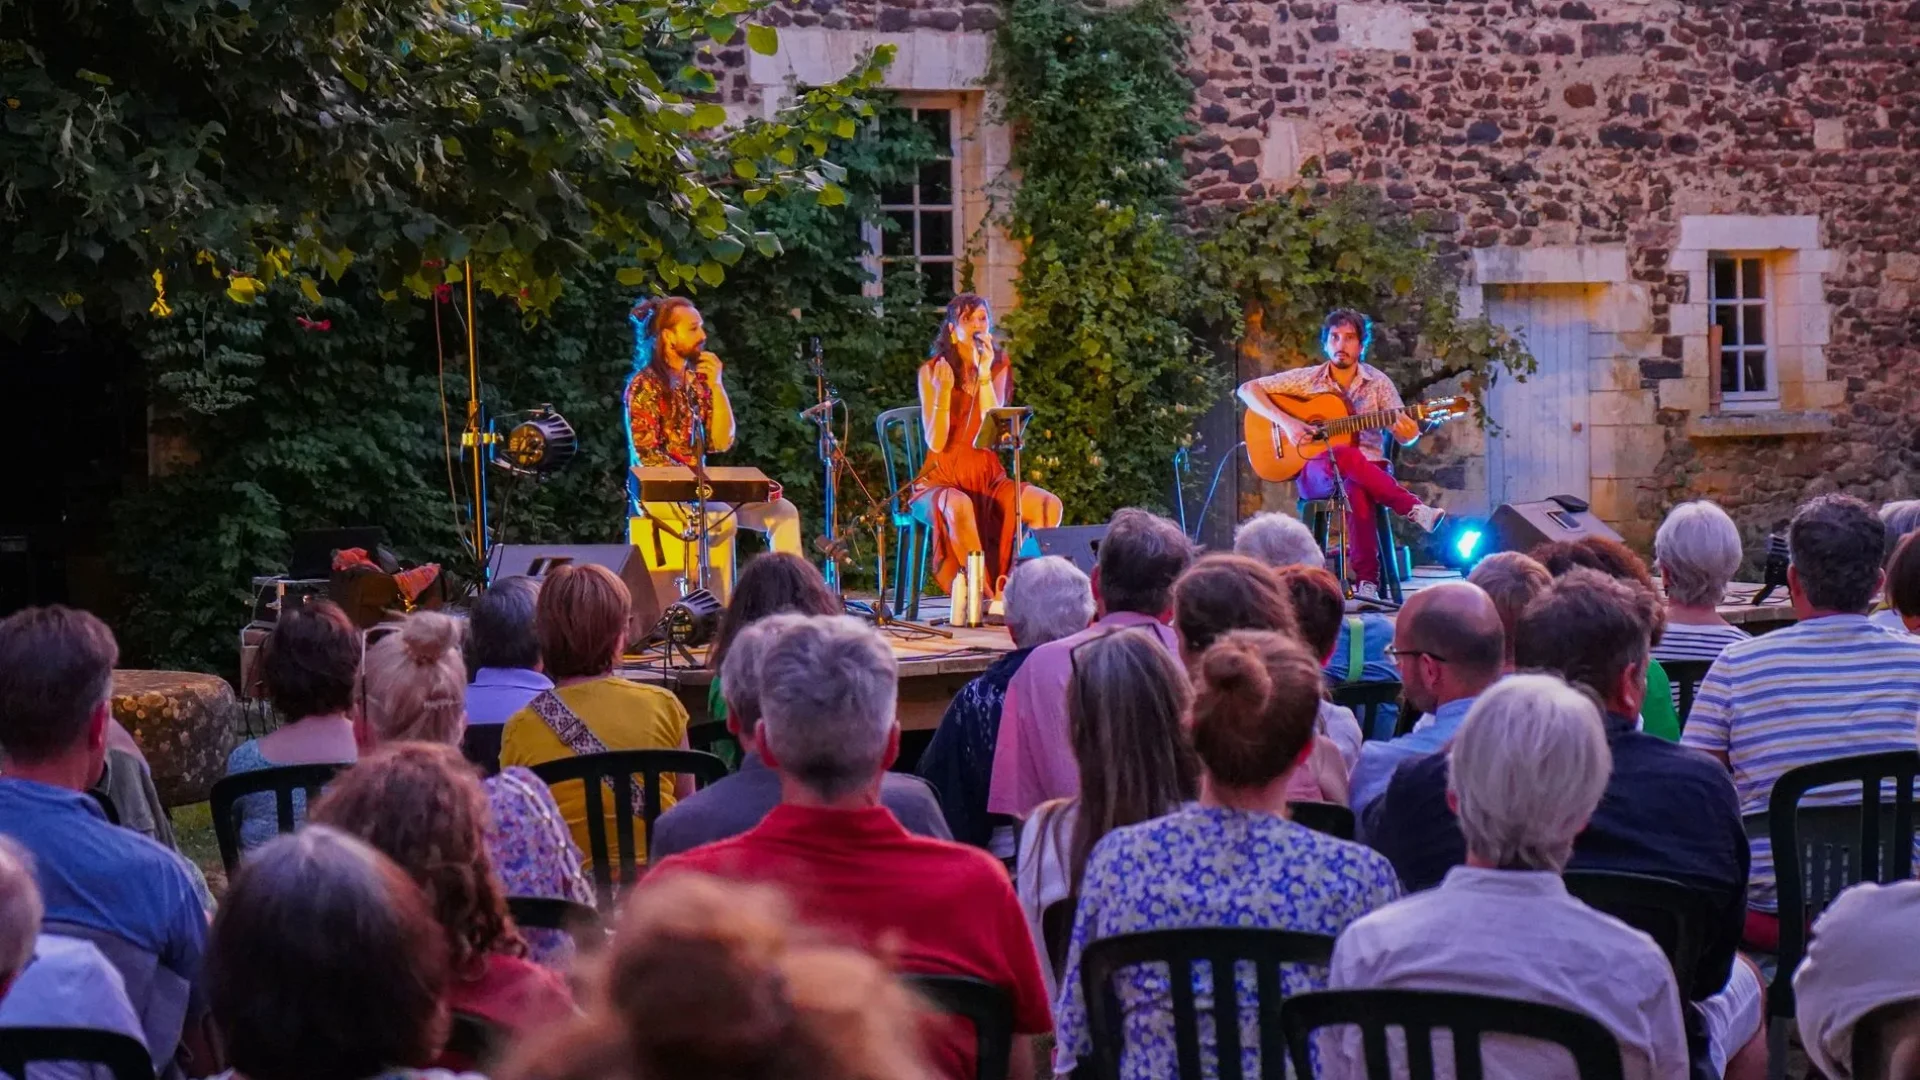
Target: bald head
(1458, 622)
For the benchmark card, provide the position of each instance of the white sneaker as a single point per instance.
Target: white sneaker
(1427, 517)
(1366, 590)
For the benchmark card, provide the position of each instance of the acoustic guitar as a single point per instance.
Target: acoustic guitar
(1277, 458)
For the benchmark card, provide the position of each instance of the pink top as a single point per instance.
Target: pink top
(1033, 760)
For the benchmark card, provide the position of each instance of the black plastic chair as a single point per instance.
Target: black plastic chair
(282, 781)
(1223, 949)
(1469, 1017)
(1056, 933)
(576, 920)
(1366, 698)
(984, 1005)
(1818, 851)
(1678, 918)
(122, 1055)
(473, 1042)
(1686, 675)
(612, 773)
(1323, 817)
(480, 744)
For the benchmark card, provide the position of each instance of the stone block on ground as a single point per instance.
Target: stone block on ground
(183, 721)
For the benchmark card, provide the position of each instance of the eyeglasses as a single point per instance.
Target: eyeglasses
(1398, 653)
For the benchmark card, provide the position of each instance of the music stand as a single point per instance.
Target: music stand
(1005, 428)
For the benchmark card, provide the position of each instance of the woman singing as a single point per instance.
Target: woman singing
(966, 493)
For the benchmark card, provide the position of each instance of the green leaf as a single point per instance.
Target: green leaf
(709, 115)
(309, 290)
(631, 275)
(764, 40)
(451, 147)
(713, 273)
(721, 30)
(745, 169)
(832, 195)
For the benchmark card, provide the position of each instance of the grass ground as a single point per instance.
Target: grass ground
(193, 828)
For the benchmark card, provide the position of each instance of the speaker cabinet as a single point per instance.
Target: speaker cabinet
(1526, 525)
(534, 560)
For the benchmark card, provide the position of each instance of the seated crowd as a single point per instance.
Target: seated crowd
(1159, 753)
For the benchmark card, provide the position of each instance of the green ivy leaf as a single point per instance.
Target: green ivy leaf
(763, 39)
(709, 115)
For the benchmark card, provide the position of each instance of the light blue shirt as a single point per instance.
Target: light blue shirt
(497, 693)
(1379, 758)
(68, 983)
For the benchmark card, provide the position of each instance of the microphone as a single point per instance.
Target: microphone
(820, 410)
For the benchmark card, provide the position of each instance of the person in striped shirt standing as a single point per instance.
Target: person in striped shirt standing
(1832, 685)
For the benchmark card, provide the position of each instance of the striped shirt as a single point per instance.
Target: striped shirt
(1825, 688)
(1685, 641)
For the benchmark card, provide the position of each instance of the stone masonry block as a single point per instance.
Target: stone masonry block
(1378, 26)
(1635, 345)
(1613, 499)
(1623, 309)
(1613, 373)
(1747, 232)
(1686, 395)
(1687, 262)
(1687, 319)
(1550, 265)
(1627, 451)
(1620, 407)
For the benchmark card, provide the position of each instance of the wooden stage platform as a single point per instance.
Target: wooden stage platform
(933, 669)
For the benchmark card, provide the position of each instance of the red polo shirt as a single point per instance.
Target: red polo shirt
(940, 908)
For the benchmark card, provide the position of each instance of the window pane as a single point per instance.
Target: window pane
(936, 183)
(1750, 279)
(936, 233)
(1754, 329)
(899, 233)
(1727, 318)
(1756, 371)
(896, 194)
(1729, 371)
(939, 281)
(1724, 273)
(939, 127)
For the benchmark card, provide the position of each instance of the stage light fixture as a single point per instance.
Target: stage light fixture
(691, 621)
(1466, 544)
(1461, 544)
(541, 443)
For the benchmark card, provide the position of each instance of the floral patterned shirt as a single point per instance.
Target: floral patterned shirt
(659, 422)
(1204, 866)
(1372, 391)
(534, 854)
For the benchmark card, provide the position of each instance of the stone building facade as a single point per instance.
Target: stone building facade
(1704, 214)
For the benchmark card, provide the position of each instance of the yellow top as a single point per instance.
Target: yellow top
(624, 715)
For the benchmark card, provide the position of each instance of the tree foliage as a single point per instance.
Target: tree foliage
(225, 144)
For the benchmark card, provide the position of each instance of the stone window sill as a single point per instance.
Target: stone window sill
(1759, 425)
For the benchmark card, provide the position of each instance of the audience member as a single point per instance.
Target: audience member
(1659, 712)
(504, 648)
(1859, 979)
(132, 897)
(1511, 579)
(1321, 612)
(1832, 685)
(771, 583)
(47, 980)
(327, 963)
(1281, 541)
(420, 805)
(1126, 706)
(126, 790)
(310, 664)
(1902, 589)
(1046, 599)
(1698, 551)
(1900, 517)
(582, 622)
(1450, 648)
(827, 695)
(413, 694)
(1667, 812)
(1526, 771)
(1133, 586)
(744, 799)
(752, 996)
(1232, 860)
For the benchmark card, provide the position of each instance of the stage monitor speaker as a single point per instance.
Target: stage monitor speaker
(534, 560)
(1078, 544)
(1526, 525)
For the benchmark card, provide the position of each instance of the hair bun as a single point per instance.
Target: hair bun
(1233, 670)
(428, 636)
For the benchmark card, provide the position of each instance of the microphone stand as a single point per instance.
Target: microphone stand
(828, 449)
(702, 488)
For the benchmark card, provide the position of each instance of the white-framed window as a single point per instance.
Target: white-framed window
(1740, 306)
(922, 230)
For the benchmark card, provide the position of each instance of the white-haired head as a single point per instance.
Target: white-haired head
(740, 671)
(1047, 599)
(1527, 769)
(827, 689)
(1698, 549)
(1279, 541)
(20, 909)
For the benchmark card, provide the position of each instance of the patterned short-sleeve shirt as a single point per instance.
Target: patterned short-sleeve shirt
(660, 420)
(1371, 391)
(1209, 867)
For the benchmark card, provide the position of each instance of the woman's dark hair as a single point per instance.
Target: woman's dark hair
(310, 661)
(1219, 593)
(1126, 702)
(1903, 576)
(325, 963)
(582, 620)
(957, 309)
(1318, 606)
(421, 805)
(1609, 557)
(770, 584)
(1256, 697)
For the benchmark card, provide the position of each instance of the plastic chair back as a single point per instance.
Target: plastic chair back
(122, 1055)
(473, 1043)
(1056, 931)
(984, 1005)
(282, 781)
(576, 920)
(611, 774)
(160, 997)
(1222, 950)
(903, 448)
(1323, 817)
(1468, 1017)
(1366, 698)
(1676, 917)
(1686, 675)
(480, 744)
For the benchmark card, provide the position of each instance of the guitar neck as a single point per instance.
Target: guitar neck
(1372, 421)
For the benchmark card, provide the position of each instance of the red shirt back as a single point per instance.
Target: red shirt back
(937, 908)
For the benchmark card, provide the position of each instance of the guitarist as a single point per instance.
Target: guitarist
(1344, 338)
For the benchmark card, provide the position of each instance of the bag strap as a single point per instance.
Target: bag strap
(567, 726)
(1356, 648)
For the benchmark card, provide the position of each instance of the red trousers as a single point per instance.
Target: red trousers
(1367, 485)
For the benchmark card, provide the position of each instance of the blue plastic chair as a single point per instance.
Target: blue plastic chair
(903, 446)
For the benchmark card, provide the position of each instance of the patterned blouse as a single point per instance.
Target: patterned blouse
(534, 854)
(1204, 866)
(659, 422)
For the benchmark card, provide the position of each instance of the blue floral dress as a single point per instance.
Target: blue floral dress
(534, 854)
(1209, 867)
